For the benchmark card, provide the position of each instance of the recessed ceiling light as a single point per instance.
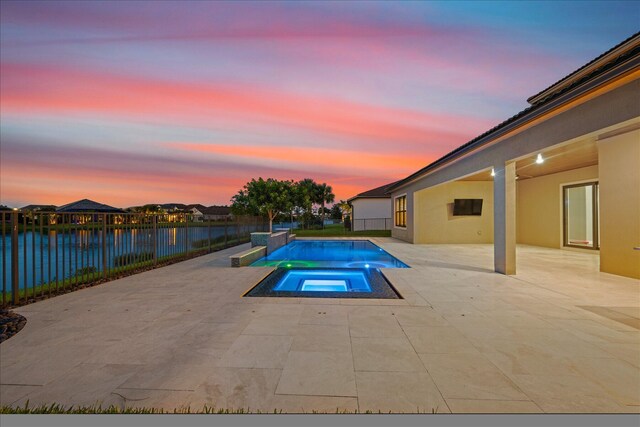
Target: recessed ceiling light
(539, 159)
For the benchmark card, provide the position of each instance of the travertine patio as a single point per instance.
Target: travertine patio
(557, 337)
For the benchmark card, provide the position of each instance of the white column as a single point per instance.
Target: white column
(504, 219)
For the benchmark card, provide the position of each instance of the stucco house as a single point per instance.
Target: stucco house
(211, 213)
(563, 173)
(197, 211)
(371, 209)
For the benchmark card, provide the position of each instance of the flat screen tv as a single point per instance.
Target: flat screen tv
(467, 207)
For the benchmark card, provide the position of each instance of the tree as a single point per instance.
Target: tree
(240, 204)
(151, 208)
(324, 194)
(336, 212)
(269, 197)
(306, 195)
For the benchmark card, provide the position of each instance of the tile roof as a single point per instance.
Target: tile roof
(565, 80)
(198, 206)
(217, 210)
(86, 205)
(378, 192)
(38, 207)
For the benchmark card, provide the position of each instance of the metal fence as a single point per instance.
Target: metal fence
(45, 253)
(370, 224)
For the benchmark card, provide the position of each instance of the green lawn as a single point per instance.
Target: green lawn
(55, 408)
(337, 230)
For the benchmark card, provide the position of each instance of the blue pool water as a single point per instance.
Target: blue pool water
(323, 281)
(330, 253)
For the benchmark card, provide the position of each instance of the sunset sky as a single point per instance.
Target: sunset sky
(128, 103)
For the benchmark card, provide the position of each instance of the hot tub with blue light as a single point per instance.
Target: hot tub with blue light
(327, 269)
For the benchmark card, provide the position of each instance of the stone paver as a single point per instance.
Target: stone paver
(408, 392)
(317, 373)
(557, 337)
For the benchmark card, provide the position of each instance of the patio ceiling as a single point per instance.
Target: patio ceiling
(567, 157)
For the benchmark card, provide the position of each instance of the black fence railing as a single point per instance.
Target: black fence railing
(45, 253)
(371, 224)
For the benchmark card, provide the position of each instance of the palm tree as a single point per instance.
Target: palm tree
(325, 195)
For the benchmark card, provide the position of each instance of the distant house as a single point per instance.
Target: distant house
(197, 210)
(5, 210)
(83, 208)
(86, 205)
(217, 213)
(371, 209)
(31, 212)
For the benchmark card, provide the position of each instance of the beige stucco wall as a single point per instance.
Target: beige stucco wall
(539, 206)
(619, 161)
(435, 223)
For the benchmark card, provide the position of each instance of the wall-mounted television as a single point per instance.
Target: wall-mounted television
(467, 207)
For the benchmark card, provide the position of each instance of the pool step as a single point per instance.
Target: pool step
(245, 258)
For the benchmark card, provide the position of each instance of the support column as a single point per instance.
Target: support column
(504, 219)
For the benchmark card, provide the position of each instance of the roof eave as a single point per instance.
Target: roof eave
(536, 111)
(368, 197)
(620, 49)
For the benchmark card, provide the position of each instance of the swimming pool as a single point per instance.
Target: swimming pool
(330, 253)
(327, 269)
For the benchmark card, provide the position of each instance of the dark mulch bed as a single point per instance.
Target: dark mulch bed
(10, 324)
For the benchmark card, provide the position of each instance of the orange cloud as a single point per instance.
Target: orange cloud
(60, 174)
(318, 158)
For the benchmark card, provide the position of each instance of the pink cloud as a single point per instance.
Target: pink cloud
(49, 89)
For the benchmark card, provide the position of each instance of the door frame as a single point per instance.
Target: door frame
(595, 215)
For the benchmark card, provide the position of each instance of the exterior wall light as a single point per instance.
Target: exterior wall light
(493, 172)
(539, 159)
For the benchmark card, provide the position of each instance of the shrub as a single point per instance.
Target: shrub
(86, 271)
(204, 243)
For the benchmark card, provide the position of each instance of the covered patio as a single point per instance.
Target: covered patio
(559, 336)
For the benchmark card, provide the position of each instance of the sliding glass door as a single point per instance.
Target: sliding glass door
(581, 222)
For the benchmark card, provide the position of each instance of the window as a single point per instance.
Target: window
(400, 211)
